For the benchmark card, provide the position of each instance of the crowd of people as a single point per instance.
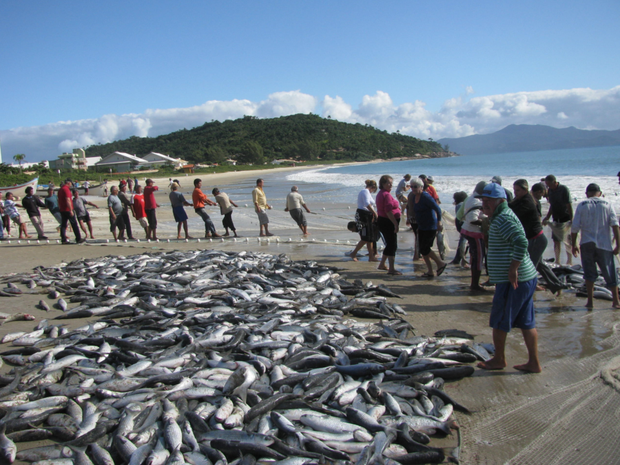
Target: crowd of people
(503, 232)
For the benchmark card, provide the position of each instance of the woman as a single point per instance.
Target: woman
(366, 218)
(428, 217)
(459, 258)
(524, 206)
(471, 215)
(388, 212)
(177, 200)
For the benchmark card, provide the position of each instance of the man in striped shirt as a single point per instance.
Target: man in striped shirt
(515, 278)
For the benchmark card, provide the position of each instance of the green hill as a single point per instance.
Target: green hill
(253, 140)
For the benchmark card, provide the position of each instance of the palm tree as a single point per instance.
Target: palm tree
(19, 158)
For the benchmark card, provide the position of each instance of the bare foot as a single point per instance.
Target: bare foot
(527, 368)
(394, 273)
(189, 237)
(92, 237)
(616, 305)
(179, 237)
(384, 268)
(589, 304)
(226, 235)
(492, 365)
(268, 234)
(373, 259)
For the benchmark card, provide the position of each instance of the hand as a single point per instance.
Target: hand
(396, 228)
(616, 249)
(576, 250)
(513, 277)
(545, 222)
(439, 226)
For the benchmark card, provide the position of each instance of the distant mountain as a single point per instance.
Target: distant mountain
(527, 138)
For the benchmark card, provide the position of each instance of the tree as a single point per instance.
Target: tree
(251, 152)
(19, 158)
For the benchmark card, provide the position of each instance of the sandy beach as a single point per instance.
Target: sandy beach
(564, 415)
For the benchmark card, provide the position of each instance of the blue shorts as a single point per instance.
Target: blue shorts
(179, 214)
(592, 256)
(513, 308)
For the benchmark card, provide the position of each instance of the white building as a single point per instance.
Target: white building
(121, 162)
(159, 159)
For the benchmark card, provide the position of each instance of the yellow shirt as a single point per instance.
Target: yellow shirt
(259, 198)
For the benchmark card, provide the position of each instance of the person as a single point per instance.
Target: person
(10, 209)
(135, 184)
(561, 211)
(514, 276)
(177, 200)
(428, 187)
(2, 238)
(129, 185)
(401, 191)
(366, 220)
(388, 212)
(51, 203)
(200, 199)
(524, 206)
(294, 202)
(226, 209)
(32, 203)
(260, 205)
(170, 181)
(115, 207)
(86, 186)
(539, 190)
(472, 216)
(596, 218)
(126, 201)
(428, 217)
(413, 224)
(498, 180)
(105, 187)
(149, 208)
(137, 202)
(79, 205)
(459, 258)
(67, 213)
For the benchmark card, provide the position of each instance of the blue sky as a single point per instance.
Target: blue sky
(74, 73)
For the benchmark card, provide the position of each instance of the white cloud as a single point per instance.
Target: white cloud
(458, 117)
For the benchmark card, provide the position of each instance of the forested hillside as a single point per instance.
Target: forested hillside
(253, 140)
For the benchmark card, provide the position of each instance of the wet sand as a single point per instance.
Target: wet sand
(567, 414)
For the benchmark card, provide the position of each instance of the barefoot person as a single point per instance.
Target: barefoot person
(294, 203)
(139, 213)
(471, 229)
(149, 208)
(65, 202)
(366, 219)
(261, 206)
(115, 207)
(226, 209)
(177, 200)
(596, 218)
(514, 276)
(561, 212)
(388, 211)
(200, 199)
(79, 205)
(32, 203)
(10, 208)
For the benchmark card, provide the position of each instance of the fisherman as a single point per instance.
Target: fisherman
(200, 199)
(10, 209)
(149, 208)
(177, 200)
(514, 276)
(137, 202)
(260, 205)
(472, 216)
(67, 213)
(294, 202)
(126, 201)
(401, 192)
(32, 203)
(51, 203)
(498, 180)
(561, 211)
(225, 209)
(79, 205)
(596, 218)
(115, 206)
(86, 186)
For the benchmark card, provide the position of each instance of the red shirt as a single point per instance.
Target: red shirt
(149, 198)
(138, 206)
(64, 199)
(431, 190)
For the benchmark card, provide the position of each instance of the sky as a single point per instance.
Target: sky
(75, 73)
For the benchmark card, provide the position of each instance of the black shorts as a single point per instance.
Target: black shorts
(85, 218)
(426, 238)
(151, 218)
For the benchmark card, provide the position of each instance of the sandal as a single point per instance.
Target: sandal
(394, 273)
(428, 275)
(441, 270)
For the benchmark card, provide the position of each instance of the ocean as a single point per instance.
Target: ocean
(575, 168)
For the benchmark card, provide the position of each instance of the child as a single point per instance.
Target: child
(10, 208)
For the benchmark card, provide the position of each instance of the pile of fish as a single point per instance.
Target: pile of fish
(209, 357)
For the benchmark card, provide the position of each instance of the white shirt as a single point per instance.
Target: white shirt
(294, 200)
(475, 214)
(595, 217)
(364, 199)
(402, 187)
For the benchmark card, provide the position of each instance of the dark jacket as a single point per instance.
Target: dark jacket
(526, 211)
(32, 203)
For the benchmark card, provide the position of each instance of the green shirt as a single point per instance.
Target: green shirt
(507, 242)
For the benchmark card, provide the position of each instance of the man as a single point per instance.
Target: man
(401, 192)
(177, 201)
(472, 217)
(115, 206)
(596, 218)
(137, 201)
(226, 209)
(294, 202)
(86, 186)
(561, 210)
(498, 180)
(149, 207)
(32, 203)
(428, 187)
(65, 203)
(200, 199)
(260, 206)
(126, 201)
(51, 203)
(514, 276)
(10, 209)
(79, 205)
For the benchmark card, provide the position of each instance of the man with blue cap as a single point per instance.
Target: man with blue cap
(515, 278)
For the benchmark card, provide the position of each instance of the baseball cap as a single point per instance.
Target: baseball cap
(497, 179)
(493, 191)
(430, 178)
(592, 187)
